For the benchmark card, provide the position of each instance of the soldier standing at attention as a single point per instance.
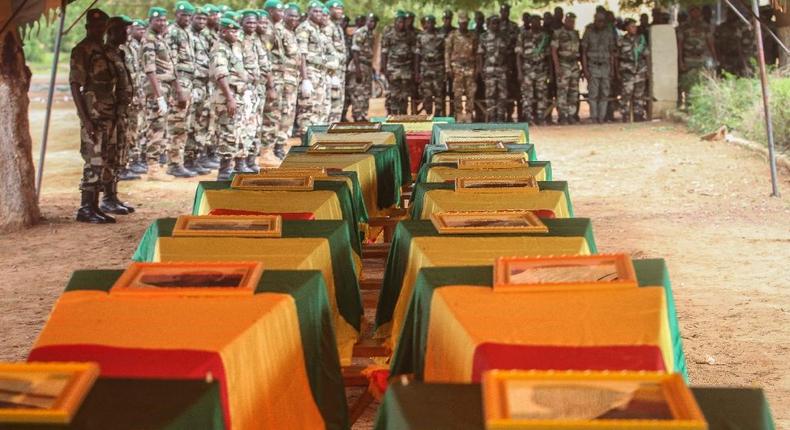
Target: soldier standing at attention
(230, 80)
(734, 44)
(509, 31)
(337, 73)
(565, 55)
(199, 111)
(397, 64)
(313, 45)
(633, 58)
(445, 30)
(491, 61)
(460, 63)
(247, 162)
(598, 46)
(265, 90)
(114, 152)
(532, 50)
(429, 67)
(362, 68)
(211, 33)
(131, 55)
(696, 50)
(479, 29)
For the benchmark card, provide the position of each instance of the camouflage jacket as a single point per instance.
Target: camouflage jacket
(157, 58)
(734, 45)
(398, 48)
(249, 53)
(339, 52)
(227, 62)
(632, 54)
(124, 86)
(533, 46)
(267, 36)
(430, 48)
(693, 37)
(180, 43)
(210, 36)
(446, 31)
(286, 56)
(567, 44)
(362, 44)
(92, 71)
(131, 56)
(313, 44)
(201, 48)
(460, 50)
(264, 58)
(493, 48)
(509, 31)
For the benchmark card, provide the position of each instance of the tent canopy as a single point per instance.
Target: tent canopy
(29, 11)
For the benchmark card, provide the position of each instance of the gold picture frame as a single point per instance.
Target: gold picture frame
(475, 146)
(340, 148)
(315, 172)
(410, 118)
(453, 157)
(228, 226)
(495, 222)
(44, 392)
(523, 274)
(189, 279)
(354, 127)
(491, 163)
(272, 182)
(588, 400)
(505, 184)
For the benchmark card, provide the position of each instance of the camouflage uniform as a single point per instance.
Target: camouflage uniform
(227, 62)
(459, 59)
(178, 40)
(494, 50)
(567, 44)
(315, 46)
(336, 68)
(696, 56)
(156, 59)
(533, 46)
(430, 48)
(210, 37)
(362, 44)
(265, 67)
(735, 46)
(509, 31)
(598, 48)
(135, 112)
(115, 154)
(279, 115)
(632, 52)
(200, 110)
(249, 118)
(398, 48)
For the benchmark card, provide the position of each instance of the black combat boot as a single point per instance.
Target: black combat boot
(252, 163)
(127, 175)
(279, 151)
(225, 170)
(179, 171)
(240, 166)
(193, 165)
(208, 162)
(107, 218)
(86, 213)
(111, 204)
(138, 165)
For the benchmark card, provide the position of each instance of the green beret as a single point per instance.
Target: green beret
(273, 4)
(126, 19)
(447, 13)
(263, 14)
(400, 14)
(248, 13)
(156, 12)
(409, 14)
(231, 15)
(222, 8)
(294, 6)
(570, 15)
(334, 3)
(184, 6)
(430, 18)
(209, 9)
(228, 23)
(315, 4)
(325, 10)
(139, 23)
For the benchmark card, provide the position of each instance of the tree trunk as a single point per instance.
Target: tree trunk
(18, 206)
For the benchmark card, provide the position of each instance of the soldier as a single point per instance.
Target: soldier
(445, 30)
(509, 31)
(429, 67)
(532, 50)
(598, 46)
(696, 51)
(632, 62)
(491, 63)
(250, 50)
(480, 29)
(460, 60)
(265, 89)
(198, 139)
(361, 68)
(565, 56)
(211, 32)
(337, 70)
(397, 64)
(230, 80)
(314, 46)
(135, 165)
(178, 40)
(734, 44)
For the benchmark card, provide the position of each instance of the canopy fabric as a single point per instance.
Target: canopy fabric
(30, 12)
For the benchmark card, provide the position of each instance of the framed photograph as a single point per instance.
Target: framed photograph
(189, 279)
(272, 182)
(476, 146)
(476, 222)
(410, 118)
(315, 172)
(44, 392)
(589, 400)
(340, 148)
(505, 184)
(228, 225)
(453, 157)
(491, 163)
(354, 127)
(521, 274)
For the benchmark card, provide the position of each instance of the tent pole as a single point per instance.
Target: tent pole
(50, 96)
(769, 130)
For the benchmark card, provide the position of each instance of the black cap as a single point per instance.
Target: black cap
(448, 13)
(96, 15)
(504, 6)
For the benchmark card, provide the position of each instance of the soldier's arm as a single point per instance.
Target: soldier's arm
(149, 67)
(520, 55)
(417, 58)
(220, 64)
(681, 64)
(384, 54)
(77, 79)
(448, 48)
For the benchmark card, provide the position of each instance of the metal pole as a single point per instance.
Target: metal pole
(769, 129)
(50, 96)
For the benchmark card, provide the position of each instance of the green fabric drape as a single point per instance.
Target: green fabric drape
(431, 150)
(437, 128)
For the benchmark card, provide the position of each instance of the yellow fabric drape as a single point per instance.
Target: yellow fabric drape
(509, 135)
(323, 204)
(436, 201)
(282, 253)
(447, 251)
(444, 174)
(463, 317)
(257, 338)
(376, 138)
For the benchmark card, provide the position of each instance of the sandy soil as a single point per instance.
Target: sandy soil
(653, 190)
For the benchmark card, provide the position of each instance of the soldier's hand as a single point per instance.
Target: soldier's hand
(162, 105)
(231, 107)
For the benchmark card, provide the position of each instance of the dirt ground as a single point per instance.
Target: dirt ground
(652, 190)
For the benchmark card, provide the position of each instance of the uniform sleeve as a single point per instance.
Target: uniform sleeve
(303, 38)
(586, 39)
(355, 42)
(481, 48)
(220, 64)
(555, 40)
(149, 57)
(519, 49)
(78, 74)
(385, 44)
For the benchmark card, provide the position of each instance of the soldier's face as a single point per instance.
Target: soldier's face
(504, 12)
(430, 25)
(158, 24)
(372, 23)
(249, 24)
(199, 22)
(570, 23)
(137, 32)
(230, 35)
(463, 26)
(534, 23)
(400, 24)
(493, 25)
(695, 13)
(182, 18)
(447, 21)
(213, 20)
(315, 15)
(96, 29)
(117, 35)
(292, 18)
(276, 15)
(262, 24)
(631, 28)
(336, 13)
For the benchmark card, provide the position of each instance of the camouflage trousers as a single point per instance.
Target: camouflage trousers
(199, 117)
(133, 133)
(336, 94)
(568, 89)
(260, 140)
(633, 95)
(534, 94)
(495, 82)
(228, 128)
(94, 150)
(464, 84)
(279, 115)
(156, 125)
(432, 89)
(360, 91)
(178, 123)
(599, 89)
(398, 96)
(310, 110)
(250, 120)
